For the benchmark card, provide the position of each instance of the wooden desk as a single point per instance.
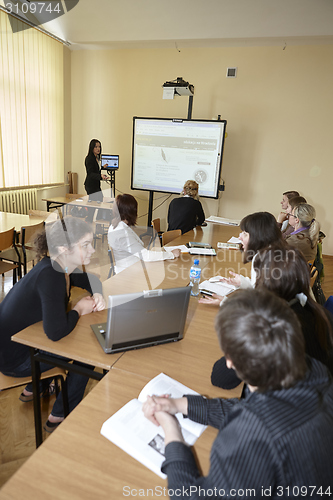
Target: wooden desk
(77, 463)
(9, 220)
(87, 465)
(80, 345)
(60, 201)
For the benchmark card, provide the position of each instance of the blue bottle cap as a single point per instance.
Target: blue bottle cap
(196, 262)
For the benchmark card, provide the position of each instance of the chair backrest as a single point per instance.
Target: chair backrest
(10, 382)
(29, 232)
(156, 223)
(313, 275)
(7, 239)
(112, 271)
(170, 235)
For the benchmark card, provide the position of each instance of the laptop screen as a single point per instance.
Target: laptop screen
(143, 319)
(109, 162)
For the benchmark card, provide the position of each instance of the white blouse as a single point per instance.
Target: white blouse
(128, 248)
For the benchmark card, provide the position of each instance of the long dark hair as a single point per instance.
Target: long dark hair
(284, 271)
(92, 144)
(263, 231)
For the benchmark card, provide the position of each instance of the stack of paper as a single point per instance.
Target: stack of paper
(218, 287)
(222, 220)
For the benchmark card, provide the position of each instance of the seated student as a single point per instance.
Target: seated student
(186, 212)
(306, 230)
(277, 440)
(284, 271)
(282, 218)
(259, 230)
(43, 295)
(125, 243)
(292, 203)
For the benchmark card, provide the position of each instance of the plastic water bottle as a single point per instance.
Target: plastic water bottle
(195, 273)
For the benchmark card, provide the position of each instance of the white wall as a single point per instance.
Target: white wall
(278, 109)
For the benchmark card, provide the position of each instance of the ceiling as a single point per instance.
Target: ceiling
(191, 23)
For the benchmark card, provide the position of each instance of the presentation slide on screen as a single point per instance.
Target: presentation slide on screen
(110, 161)
(167, 153)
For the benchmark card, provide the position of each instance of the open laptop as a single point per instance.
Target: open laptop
(143, 319)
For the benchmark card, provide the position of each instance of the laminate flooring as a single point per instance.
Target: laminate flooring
(17, 438)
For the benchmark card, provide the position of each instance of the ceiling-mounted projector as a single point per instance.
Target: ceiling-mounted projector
(179, 87)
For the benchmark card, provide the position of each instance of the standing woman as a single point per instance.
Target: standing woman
(43, 294)
(92, 183)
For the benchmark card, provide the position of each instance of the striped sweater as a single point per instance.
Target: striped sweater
(277, 444)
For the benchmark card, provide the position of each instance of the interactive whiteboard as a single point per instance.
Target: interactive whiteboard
(168, 152)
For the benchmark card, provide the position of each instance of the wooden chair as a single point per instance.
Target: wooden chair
(101, 226)
(313, 275)
(7, 242)
(11, 382)
(23, 253)
(112, 271)
(170, 235)
(58, 374)
(156, 223)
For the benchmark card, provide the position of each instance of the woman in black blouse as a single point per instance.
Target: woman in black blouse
(92, 183)
(43, 295)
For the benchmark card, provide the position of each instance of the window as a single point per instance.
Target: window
(31, 107)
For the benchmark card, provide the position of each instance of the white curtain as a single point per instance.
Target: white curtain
(31, 107)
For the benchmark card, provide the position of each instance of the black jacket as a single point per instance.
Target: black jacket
(93, 178)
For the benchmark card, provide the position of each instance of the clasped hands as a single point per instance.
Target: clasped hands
(161, 410)
(90, 304)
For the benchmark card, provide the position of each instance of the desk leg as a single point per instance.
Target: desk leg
(35, 372)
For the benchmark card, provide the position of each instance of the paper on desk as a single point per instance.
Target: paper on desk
(234, 240)
(222, 220)
(219, 288)
(182, 248)
(202, 251)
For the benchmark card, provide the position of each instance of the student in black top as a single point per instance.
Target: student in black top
(92, 183)
(43, 295)
(276, 442)
(186, 212)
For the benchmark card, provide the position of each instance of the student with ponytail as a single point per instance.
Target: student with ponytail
(306, 230)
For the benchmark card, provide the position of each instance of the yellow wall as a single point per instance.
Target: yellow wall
(279, 111)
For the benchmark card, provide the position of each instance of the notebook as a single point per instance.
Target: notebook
(143, 319)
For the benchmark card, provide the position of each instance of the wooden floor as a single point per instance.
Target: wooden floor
(17, 439)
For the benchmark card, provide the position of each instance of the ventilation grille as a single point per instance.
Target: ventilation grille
(231, 72)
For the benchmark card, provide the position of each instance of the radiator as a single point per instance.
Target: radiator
(18, 201)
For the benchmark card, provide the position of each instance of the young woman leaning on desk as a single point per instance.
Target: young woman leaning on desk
(43, 295)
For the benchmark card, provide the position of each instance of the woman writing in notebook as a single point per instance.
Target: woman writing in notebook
(43, 295)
